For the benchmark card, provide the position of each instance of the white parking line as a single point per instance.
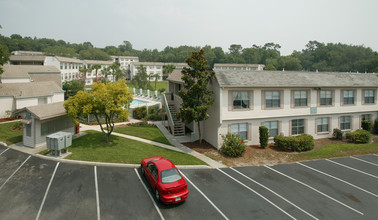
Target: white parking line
(350, 184)
(47, 191)
(14, 173)
(203, 194)
(4, 151)
(153, 201)
(352, 168)
(335, 200)
(256, 193)
(364, 161)
(273, 192)
(97, 196)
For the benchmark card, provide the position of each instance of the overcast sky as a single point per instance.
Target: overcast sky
(155, 24)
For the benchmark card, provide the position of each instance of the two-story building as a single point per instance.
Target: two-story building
(91, 76)
(287, 103)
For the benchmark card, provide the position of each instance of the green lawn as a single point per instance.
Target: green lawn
(9, 136)
(159, 85)
(339, 150)
(91, 147)
(149, 133)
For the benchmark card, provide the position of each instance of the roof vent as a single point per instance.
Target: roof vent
(283, 69)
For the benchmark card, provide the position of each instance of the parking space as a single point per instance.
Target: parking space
(341, 188)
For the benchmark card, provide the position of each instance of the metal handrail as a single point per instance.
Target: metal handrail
(167, 107)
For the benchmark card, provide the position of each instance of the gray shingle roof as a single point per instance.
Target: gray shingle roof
(237, 65)
(22, 71)
(32, 89)
(27, 58)
(271, 79)
(68, 60)
(101, 62)
(46, 111)
(175, 76)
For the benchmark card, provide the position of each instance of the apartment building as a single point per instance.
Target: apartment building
(69, 67)
(91, 76)
(153, 68)
(287, 103)
(125, 62)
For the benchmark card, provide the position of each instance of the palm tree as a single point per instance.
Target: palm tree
(96, 67)
(157, 76)
(85, 71)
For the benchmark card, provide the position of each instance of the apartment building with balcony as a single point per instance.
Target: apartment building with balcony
(91, 76)
(287, 103)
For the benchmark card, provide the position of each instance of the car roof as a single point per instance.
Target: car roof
(164, 164)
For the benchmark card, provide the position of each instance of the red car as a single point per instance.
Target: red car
(165, 180)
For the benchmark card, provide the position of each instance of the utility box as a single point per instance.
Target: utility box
(59, 142)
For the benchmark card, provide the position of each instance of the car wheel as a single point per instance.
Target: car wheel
(142, 169)
(157, 195)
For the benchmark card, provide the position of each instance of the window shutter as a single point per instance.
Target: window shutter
(249, 131)
(251, 100)
(230, 101)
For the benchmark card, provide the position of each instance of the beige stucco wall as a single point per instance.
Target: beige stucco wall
(7, 103)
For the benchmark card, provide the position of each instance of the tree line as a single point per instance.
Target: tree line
(336, 57)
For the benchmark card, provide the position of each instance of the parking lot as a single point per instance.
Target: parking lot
(340, 188)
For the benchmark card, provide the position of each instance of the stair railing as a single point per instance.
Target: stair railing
(171, 123)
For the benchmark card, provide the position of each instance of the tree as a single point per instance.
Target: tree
(197, 97)
(96, 67)
(105, 102)
(140, 80)
(72, 87)
(116, 71)
(168, 69)
(4, 55)
(156, 76)
(85, 71)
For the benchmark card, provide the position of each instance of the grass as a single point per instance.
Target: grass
(159, 85)
(91, 147)
(149, 133)
(339, 150)
(8, 135)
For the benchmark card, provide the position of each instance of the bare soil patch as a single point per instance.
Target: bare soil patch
(255, 155)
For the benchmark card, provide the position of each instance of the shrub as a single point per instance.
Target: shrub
(302, 142)
(140, 112)
(358, 136)
(376, 126)
(366, 125)
(337, 134)
(17, 126)
(141, 124)
(264, 136)
(232, 145)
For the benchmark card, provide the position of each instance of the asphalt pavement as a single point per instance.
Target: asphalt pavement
(342, 188)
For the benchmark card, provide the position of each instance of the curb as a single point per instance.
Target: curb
(104, 164)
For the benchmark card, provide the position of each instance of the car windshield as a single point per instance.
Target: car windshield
(170, 176)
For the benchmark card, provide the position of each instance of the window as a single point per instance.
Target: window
(153, 170)
(158, 67)
(272, 127)
(323, 124)
(240, 129)
(272, 99)
(326, 97)
(348, 97)
(241, 100)
(369, 96)
(42, 101)
(297, 126)
(366, 118)
(344, 122)
(55, 125)
(170, 176)
(300, 98)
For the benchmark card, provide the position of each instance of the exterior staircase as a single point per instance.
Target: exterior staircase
(179, 126)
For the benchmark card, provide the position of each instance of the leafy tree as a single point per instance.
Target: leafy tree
(140, 80)
(93, 54)
(116, 71)
(104, 102)
(60, 51)
(197, 97)
(4, 56)
(156, 77)
(72, 87)
(168, 69)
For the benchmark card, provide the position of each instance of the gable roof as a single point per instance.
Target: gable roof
(23, 71)
(27, 58)
(46, 111)
(175, 76)
(272, 79)
(68, 60)
(31, 89)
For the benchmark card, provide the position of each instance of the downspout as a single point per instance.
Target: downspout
(34, 136)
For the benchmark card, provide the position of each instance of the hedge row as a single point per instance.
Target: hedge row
(302, 142)
(358, 136)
